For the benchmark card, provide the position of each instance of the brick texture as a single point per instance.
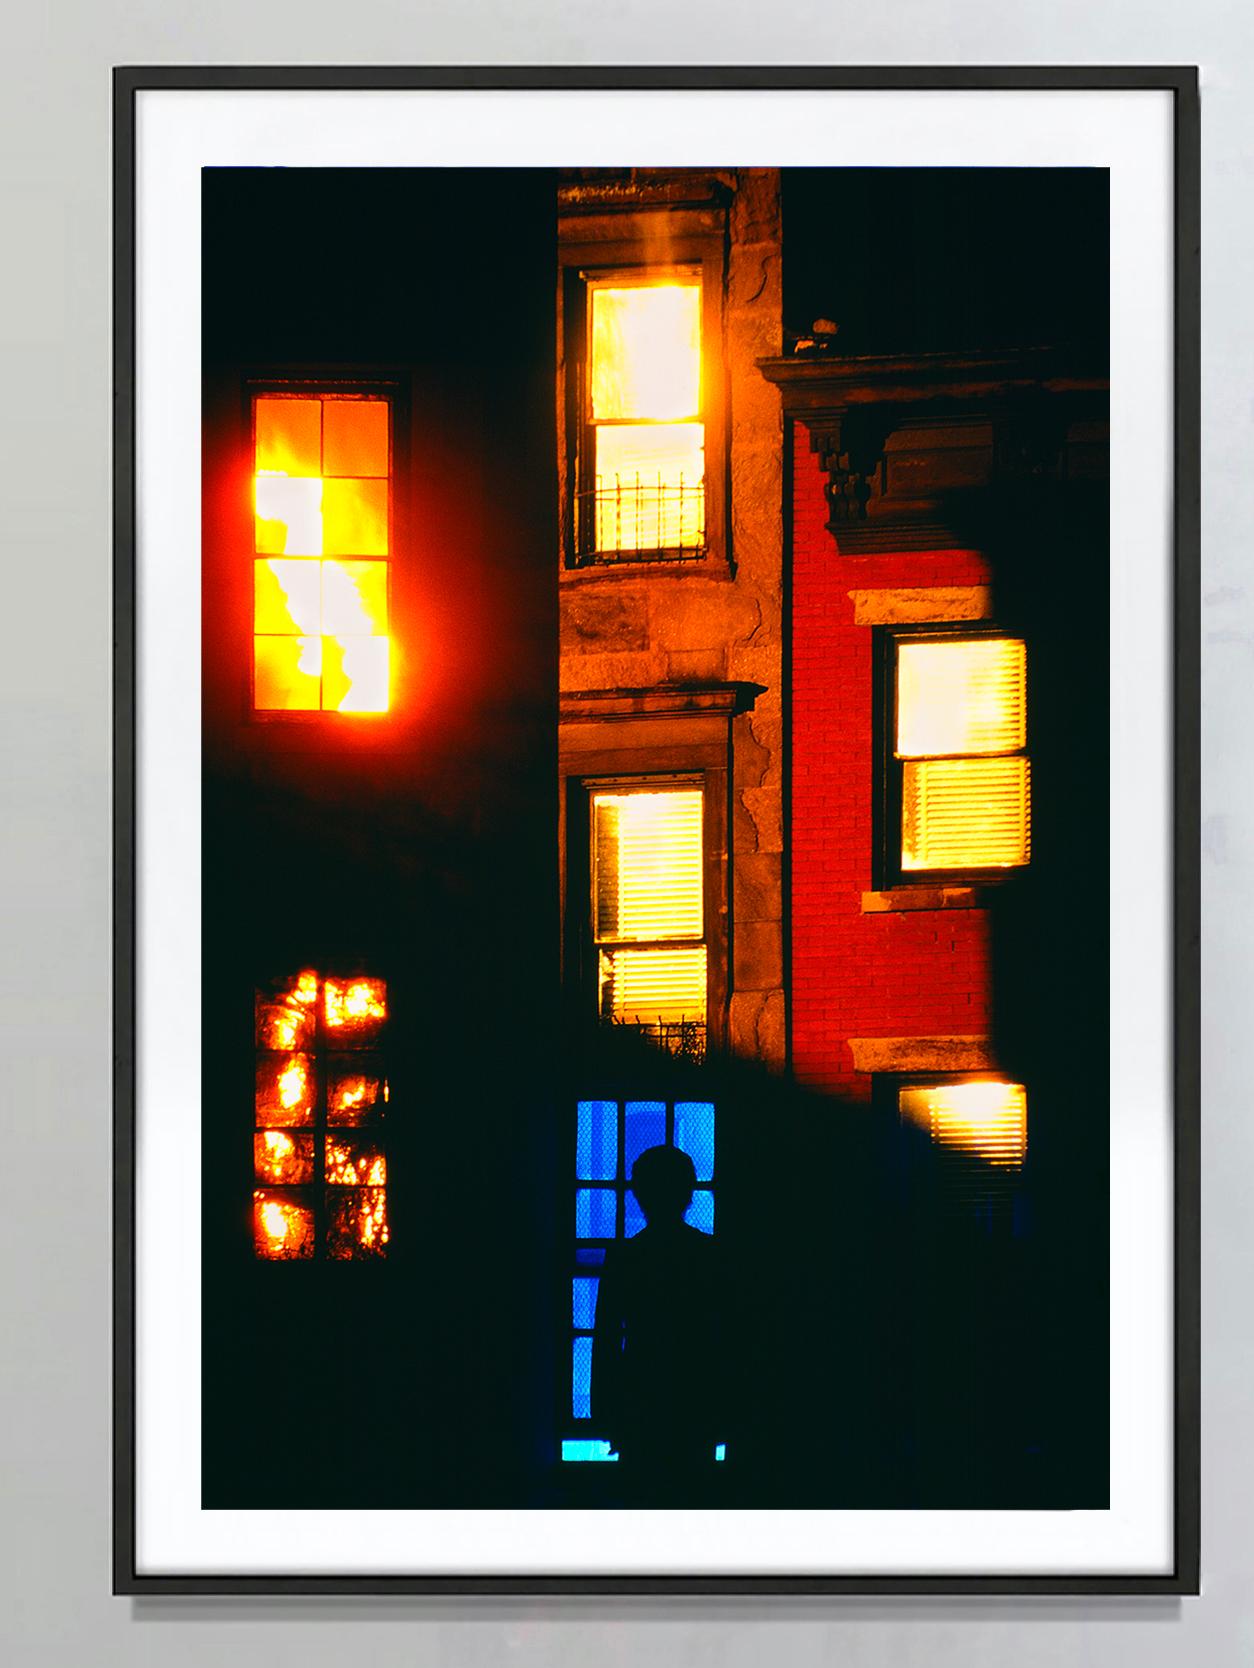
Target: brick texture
(891, 974)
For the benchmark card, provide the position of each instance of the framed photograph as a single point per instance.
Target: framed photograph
(656, 702)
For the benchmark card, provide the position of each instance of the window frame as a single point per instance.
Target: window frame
(886, 821)
(923, 1161)
(581, 949)
(584, 266)
(309, 385)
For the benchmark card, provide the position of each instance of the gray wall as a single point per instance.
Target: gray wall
(54, 743)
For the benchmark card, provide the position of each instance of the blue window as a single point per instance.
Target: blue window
(609, 1136)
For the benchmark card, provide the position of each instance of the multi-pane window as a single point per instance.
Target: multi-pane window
(959, 743)
(609, 1136)
(642, 470)
(322, 498)
(319, 1162)
(648, 910)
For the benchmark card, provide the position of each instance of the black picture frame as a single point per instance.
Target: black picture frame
(1182, 84)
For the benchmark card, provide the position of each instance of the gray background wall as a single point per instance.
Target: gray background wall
(54, 877)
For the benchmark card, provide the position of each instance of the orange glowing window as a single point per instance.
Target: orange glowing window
(642, 486)
(319, 1155)
(960, 737)
(648, 910)
(322, 518)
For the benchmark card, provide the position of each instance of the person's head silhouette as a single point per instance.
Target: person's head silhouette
(662, 1178)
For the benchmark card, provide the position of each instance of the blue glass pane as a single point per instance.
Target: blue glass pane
(633, 1216)
(700, 1213)
(694, 1134)
(581, 1379)
(589, 1256)
(596, 1140)
(584, 1302)
(644, 1126)
(587, 1451)
(720, 1450)
(594, 1213)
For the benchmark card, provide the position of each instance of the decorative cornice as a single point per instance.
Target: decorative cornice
(659, 701)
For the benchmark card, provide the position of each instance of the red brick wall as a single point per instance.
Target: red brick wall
(854, 975)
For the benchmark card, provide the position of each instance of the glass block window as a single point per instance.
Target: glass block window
(322, 514)
(960, 739)
(642, 487)
(319, 1156)
(609, 1136)
(648, 911)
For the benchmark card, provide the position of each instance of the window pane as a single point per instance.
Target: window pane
(354, 437)
(573, 1449)
(694, 1134)
(646, 352)
(357, 1090)
(357, 1223)
(287, 597)
(288, 516)
(987, 1120)
(596, 1213)
(700, 1213)
(581, 1378)
(353, 1162)
(653, 987)
(963, 696)
(647, 865)
(354, 599)
(596, 1140)
(644, 1125)
(287, 674)
(649, 492)
(965, 814)
(355, 674)
(584, 1302)
(286, 1092)
(280, 1157)
(285, 1013)
(590, 1256)
(355, 1011)
(283, 1225)
(355, 517)
(288, 436)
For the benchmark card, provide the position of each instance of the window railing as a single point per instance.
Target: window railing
(642, 520)
(684, 1038)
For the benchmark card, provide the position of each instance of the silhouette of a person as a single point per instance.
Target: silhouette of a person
(658, 1363)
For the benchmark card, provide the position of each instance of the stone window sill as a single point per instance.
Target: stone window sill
(922, 897)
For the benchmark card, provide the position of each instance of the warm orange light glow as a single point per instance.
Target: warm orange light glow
(988, 1120)
(284, 1019)
(351, 1163)
(355, 437)
(285, 1092)
(287, 436)
(280, 1157)
(961, 696)
(355, 1004)
(965, 813)
(646, 352)
(357, 1224)
(355, 1097)
(283, 1226)
(645, 987)
(649, 486)
(354, 517)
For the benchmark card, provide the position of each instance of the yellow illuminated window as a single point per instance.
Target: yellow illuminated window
(644, 415)
(321, 483)
(648, 911)
(319, 1163)
(961, 729)
(986, 1120)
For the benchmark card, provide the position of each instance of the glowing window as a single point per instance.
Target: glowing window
(322, 513)
(642, 485)
(985, 1119)
(609, 1137)
(648, 909)
(960, 735)
(319, 1161)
